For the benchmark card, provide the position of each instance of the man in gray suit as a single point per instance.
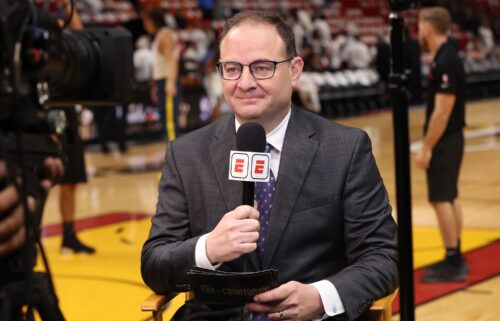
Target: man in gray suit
(328, 229)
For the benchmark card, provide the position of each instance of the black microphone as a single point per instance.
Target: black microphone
(251, 137)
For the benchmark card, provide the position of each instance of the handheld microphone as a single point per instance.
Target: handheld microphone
(251, 137)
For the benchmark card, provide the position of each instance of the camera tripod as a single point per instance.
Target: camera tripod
(18, 300)
(22, 290)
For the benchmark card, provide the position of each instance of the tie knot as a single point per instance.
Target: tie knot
(269, 148)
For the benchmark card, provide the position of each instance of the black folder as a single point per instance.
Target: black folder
(229, 288)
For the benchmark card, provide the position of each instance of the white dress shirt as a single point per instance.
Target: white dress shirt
(327, 291)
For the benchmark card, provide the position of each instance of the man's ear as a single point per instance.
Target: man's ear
(297, 66)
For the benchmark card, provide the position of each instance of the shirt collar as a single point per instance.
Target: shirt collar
(277, 136)
(442, 48)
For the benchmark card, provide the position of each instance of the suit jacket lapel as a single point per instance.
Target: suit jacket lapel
(225, 141)
(232, 191)
(296, 158)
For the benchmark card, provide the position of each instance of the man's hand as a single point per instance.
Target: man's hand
(12, 232)
(291, 301)
(236, 234)
(12, 229)
(424, 156)
(170, 88)
(53, 171)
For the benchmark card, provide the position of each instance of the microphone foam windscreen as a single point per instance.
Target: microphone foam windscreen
(251, 137)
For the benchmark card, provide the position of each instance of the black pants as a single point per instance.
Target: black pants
(444, 169)
(110, 127)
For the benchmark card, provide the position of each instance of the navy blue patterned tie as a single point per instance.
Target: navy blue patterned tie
(264, 194)
(260, 317)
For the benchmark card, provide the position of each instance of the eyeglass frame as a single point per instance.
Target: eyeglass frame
(275, 63)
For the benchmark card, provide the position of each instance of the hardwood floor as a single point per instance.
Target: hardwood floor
(128, 184)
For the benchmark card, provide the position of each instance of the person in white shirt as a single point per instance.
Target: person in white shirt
(486, 35)
(143, 60)
(166, 51)
(356, 54)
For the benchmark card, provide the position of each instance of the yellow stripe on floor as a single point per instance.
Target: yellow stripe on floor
(108, 285)
(428, 247)
(105, 286)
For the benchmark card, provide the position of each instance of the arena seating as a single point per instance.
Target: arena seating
(483, 78)
(345, 92)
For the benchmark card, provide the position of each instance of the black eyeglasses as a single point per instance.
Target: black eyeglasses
(260, 69)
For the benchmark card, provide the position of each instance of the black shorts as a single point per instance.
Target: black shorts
(73, 151)
(443, 171)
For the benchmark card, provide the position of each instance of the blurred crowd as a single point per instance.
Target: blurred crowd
(332, 36)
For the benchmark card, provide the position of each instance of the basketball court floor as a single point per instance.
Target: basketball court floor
(114, 209)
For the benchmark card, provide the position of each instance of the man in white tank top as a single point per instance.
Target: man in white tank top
(165, 70)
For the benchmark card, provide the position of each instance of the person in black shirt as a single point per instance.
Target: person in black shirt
(383, 60)
(413, 67)
(73, 151)
(443, 143)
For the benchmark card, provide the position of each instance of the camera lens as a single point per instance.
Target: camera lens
(76, 68)
(83, 67)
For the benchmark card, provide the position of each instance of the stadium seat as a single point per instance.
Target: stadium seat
(380, 310)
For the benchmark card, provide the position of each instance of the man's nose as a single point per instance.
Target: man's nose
(247, 80)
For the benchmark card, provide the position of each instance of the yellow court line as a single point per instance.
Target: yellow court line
(108, 285)
(428, 247)
(170, 121)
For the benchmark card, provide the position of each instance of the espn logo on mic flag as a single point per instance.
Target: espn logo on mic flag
(249, 166)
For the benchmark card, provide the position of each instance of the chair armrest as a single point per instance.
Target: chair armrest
(156, 302)
(383, 303)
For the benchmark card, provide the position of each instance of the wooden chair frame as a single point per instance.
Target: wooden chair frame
(380, 310)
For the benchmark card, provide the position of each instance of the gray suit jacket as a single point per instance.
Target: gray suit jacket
(331, 217)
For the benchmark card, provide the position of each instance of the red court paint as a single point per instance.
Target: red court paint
(96, 221)
(484, 263)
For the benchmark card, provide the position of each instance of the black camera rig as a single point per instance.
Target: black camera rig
(43, 65)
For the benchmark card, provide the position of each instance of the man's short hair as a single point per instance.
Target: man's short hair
(264, 17)
(157, 17)
(438, 17)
